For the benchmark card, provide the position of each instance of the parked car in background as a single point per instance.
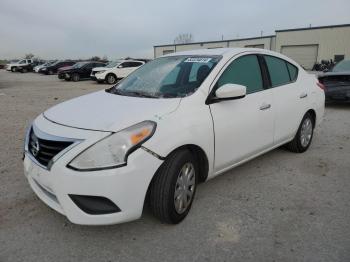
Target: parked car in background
(337, 82)
(175, 122)
(81, 70)
(61, 71)
(38, 67)
(52, 69)
(116, 70)
(27, 67)
(22, 63)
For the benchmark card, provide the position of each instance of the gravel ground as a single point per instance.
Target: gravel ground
(278, 207)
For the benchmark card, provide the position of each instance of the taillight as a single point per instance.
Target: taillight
(320, 85)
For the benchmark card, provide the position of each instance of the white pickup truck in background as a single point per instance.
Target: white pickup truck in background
(14, 66)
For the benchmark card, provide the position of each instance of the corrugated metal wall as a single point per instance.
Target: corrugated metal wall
(331, 41)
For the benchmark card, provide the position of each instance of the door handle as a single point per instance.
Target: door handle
(303, 95)
(265, 106)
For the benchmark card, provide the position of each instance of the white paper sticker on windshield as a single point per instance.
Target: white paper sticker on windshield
(197, 60)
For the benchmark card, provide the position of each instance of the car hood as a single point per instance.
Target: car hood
(65, 68)
(104, 111)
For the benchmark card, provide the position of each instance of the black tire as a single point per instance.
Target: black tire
(75, 77)
(111, 79)
(24, 70)
(296, 144)
(162, 189)
(13, 69)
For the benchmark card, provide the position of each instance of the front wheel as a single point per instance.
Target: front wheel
(13, 69)
(303, 137)
(174, 186)
(111, 79)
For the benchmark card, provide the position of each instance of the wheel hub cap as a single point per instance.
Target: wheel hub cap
(184, 188)
(306, 132)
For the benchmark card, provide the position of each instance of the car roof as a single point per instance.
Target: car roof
(229, 52)
(213, 51)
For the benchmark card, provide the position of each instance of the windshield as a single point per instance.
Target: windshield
(165, 77)
(79, 64)
(113, 64)
(342, 66)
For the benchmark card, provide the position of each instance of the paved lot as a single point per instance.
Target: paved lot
(278, 207)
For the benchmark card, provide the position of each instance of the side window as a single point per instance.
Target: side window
(137, 64)
(125, 65)
(278, 70)
(293, 71)
(245, 71)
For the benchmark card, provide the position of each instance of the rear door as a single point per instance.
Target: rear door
(134, 66)
(243, 127)
(290, 97)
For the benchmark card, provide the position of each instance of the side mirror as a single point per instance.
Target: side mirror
(231, 91)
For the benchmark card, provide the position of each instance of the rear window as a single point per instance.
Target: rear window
(278, 70)
(293, 71)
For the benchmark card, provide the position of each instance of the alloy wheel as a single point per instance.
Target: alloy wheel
(306, 132)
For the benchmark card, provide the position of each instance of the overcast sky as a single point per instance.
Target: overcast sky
(84, 28)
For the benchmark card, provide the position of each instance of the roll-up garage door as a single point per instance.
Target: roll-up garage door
(305, 55)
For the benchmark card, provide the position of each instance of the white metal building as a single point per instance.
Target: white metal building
(305, 45)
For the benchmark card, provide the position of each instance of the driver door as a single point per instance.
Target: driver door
(243, 127)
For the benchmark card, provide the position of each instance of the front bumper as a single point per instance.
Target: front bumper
(100, 76)
(67, 76)
(126, 186)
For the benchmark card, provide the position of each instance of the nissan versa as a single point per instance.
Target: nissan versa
(173, 123)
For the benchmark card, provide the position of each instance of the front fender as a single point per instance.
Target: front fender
(180, 128)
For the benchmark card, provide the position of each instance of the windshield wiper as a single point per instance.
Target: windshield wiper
(139, 93)
(117, 91)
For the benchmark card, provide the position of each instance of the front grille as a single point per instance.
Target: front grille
(45, 150)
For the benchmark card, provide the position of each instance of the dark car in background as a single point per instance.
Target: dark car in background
(81, 70)
(61, 71)
(337, 82)
(52, 69)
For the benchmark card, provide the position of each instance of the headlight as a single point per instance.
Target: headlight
(113, 151)
(100, 72)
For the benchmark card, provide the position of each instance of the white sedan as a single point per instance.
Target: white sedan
(175, 122)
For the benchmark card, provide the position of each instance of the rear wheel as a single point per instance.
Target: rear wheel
(111, 79)
(50, 72)
(174, 186)
(75, 77)
(303, 138)
(13, 69)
